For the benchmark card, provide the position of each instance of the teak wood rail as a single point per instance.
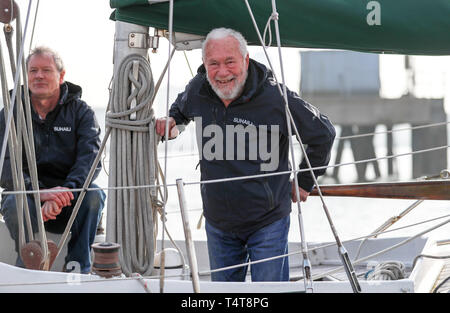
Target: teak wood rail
(425, 190)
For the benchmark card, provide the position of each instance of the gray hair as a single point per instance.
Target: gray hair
(45, 50)
(219, 33)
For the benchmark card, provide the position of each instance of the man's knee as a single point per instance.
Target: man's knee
(9, 212)
(9, 208)
(94, 200)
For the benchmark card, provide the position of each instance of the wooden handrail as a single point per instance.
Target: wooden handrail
(425, 190)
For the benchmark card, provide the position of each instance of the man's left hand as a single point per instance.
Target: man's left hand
(303, 194)
(50, 210)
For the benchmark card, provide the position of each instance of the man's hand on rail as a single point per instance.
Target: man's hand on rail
(161, 127)
(303, 194)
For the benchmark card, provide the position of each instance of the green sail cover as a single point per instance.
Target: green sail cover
(416, 27)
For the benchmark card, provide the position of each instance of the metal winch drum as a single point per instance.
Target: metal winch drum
(106, 259)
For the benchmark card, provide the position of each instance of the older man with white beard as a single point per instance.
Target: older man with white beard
(248, 218)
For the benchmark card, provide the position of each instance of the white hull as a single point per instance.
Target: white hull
(18, 280)
(421, 279)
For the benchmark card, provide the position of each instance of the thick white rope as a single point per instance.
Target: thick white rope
(131, 212)
(389, 270)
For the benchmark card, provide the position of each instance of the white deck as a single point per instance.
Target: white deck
(423, 278)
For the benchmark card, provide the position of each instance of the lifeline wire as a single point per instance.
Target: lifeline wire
(212, 181)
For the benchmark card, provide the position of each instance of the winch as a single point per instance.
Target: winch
(106, 259)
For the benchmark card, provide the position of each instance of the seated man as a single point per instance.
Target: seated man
(66, 138)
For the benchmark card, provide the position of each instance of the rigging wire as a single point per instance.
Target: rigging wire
(392, 131)
(232, 178)
(166, 136)
(27, 138)
(14, 92)
(34, 25)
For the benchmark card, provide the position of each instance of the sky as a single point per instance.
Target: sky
(83, 34)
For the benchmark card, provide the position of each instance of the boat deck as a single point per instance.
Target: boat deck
(360, 270)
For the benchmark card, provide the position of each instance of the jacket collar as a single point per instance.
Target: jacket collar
(68, 92)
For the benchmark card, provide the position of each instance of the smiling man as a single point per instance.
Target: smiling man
(66, 139)
(236, 105)
(226, 67)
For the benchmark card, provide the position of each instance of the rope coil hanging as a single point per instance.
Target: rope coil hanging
(133, 162)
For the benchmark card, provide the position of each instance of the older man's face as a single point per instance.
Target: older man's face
(44, 78)
(226, 67)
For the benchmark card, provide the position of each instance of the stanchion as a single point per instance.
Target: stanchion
(187, 233)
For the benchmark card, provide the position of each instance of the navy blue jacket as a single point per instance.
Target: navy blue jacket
(66, 143)
(246, 205)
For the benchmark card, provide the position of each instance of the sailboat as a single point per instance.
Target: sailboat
(367, 264)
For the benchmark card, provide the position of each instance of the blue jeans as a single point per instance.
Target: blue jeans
(83, 229)
(227, 249)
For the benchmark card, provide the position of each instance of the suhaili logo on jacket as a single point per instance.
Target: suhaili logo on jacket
(62, 128)
(239, 142)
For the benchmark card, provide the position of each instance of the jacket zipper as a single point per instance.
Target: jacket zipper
(269, 194)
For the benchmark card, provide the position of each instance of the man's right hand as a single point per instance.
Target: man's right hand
(62, 198)
(161, 127)
(50, 210)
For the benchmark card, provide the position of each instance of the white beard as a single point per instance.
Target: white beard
(231, 94)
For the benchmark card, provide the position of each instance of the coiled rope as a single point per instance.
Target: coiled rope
(391, 270)
(133, 162)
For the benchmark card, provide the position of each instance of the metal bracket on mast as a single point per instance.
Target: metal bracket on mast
(143, 41)
(181, 41)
